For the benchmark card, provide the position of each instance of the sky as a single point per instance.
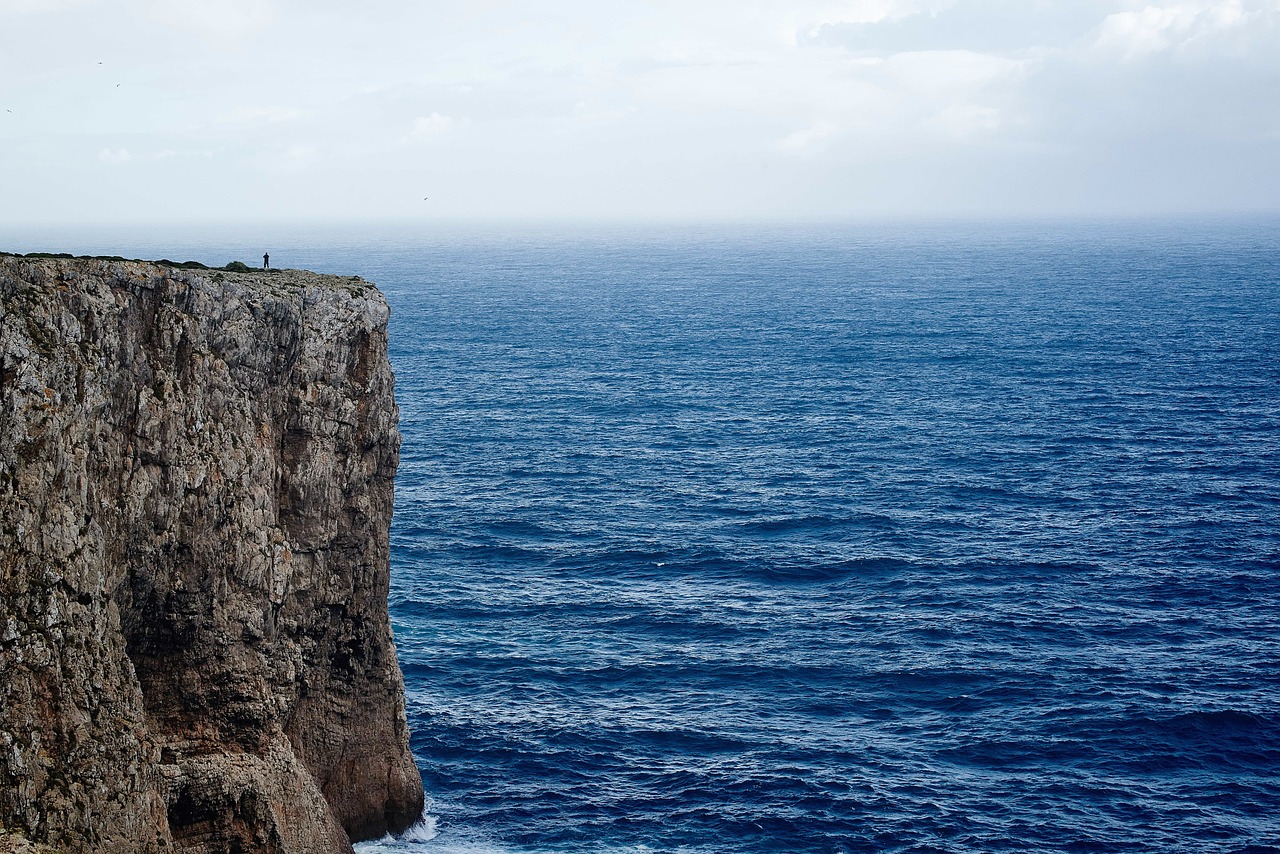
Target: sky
(138, 110)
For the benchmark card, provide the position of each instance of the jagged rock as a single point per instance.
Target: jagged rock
(195, 494)
(13, 844)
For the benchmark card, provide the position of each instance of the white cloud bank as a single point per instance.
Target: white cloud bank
(670, 108)
(1137, 33)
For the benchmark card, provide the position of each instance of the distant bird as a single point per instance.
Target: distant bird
(117, 85)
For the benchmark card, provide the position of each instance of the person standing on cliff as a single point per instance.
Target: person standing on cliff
(266, 261)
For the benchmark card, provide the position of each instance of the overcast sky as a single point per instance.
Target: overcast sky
(464, 109)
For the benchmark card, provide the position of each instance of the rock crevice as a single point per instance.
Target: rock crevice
(196, 476)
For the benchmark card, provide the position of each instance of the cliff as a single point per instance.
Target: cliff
(196, 474)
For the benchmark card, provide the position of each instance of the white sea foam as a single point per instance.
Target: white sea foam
(425, 836)
(417, 836)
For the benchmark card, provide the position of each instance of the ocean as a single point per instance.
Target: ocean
(895, 537)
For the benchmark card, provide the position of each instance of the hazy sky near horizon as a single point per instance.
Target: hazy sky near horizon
(116, 110)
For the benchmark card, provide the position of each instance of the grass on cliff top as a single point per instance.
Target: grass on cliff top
(230, 267)
(273, 279)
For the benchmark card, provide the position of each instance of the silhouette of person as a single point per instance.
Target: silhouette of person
(266, 261)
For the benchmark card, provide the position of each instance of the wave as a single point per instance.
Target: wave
(968, 550)
(416, 838)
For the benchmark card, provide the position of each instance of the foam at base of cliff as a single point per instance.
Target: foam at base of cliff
(426, 838)
(195, 500)
(423, 831)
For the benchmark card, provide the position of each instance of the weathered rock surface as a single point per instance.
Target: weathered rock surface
(195, 494)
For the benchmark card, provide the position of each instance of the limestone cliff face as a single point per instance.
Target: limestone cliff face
(195, 494)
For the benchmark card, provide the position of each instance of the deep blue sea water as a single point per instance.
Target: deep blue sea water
(898, 537)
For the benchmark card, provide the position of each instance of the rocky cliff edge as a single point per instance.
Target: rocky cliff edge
(196, 473)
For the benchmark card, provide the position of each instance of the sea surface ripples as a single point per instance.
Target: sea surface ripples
(946, 539)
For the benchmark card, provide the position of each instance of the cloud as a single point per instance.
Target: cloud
(862, 12)
(430, 127)
(1138, 33)
(946, 72)
(268, 114)
(33, 7)
(570, 107)
(965, 120)
(215, 18)
(809, 141)
(169, 153)
(976, 25)
(117, 156)
(288, 159)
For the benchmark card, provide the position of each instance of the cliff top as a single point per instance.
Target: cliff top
(272, 279)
